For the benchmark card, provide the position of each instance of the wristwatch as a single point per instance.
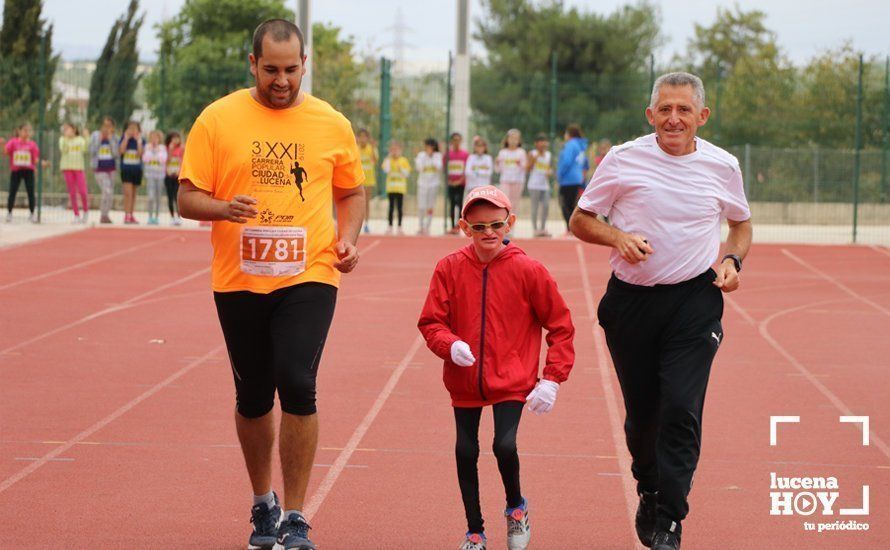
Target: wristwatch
(735, 259)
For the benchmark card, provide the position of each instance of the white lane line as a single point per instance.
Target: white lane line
(333, 474)
(31, 468)
(763, 329)
(880, 250)
(836, 283)
(86, 263)
(368, 248)
(118, 307)
(630, 492)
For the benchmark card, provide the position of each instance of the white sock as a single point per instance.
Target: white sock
(268, 498)
(289, 512)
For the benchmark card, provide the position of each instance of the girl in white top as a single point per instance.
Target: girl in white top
(429, 178)
(479, 166)
(539, 184)
(511, 165)
(154, 160)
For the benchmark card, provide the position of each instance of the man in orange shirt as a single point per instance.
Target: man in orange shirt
(266, 164)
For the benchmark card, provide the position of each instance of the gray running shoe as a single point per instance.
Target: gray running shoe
(518, 530)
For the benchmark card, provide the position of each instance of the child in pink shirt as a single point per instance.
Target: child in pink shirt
(23, 157)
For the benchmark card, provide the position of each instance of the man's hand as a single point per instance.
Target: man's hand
(727, 277)
(240, 208)
(633, 248)
(461, 354)
(347, 255)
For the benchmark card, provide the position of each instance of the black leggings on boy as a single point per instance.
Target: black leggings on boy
(506, 424)
(396, 200)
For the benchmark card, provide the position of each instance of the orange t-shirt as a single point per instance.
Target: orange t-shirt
(289, 160)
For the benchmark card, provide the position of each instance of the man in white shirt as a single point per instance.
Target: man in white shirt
(665, 195)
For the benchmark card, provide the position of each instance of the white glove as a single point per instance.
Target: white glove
(542, 398)
(461, 354)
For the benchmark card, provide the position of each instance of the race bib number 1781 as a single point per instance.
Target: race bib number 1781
(273, 251)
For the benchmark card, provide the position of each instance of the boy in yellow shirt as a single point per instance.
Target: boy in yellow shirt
(368, 154)
(397, 169)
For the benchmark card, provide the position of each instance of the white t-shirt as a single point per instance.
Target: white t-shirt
(538, 178)
(429, 169)
(676, 203)
(511, 165)
(478, 171)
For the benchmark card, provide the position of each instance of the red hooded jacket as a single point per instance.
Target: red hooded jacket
(498, 309)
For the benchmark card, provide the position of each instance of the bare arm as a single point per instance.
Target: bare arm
(738, 242)
(633, 248)
(350, 204)
(197, 204)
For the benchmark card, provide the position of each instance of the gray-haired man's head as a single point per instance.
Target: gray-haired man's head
(679, 79)
(676, 111)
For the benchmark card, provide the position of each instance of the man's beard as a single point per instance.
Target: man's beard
(275, 101)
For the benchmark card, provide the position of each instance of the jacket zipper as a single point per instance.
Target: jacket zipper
(482, 337)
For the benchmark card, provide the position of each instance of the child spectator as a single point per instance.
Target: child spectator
(397, 170)
(511, 165)
(154, 159)
(73, 147)
(570, 171)
(479, 166)
(368, 154)
(131, 147)
(104, 153)
(539, 184)
(23, 158)
(455, 166)
(171, 180)
(429, 179)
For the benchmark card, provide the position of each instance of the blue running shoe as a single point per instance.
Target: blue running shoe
(265, 522)
(293, 534)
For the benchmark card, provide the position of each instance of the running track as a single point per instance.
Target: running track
(116, 404)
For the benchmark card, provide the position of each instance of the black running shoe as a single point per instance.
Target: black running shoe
(645, 521)
(265, 525)
(665, 540)
(293, 533)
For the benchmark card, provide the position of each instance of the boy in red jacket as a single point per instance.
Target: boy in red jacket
(483, 316)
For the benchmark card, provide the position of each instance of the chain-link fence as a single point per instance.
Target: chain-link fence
(810, 175)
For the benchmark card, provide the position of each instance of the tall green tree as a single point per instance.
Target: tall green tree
(748, 79)
(602, 66)
(735, 35)
(204, 55)
(336, 74)
(21, 61)
(825, 102)
(115, 79)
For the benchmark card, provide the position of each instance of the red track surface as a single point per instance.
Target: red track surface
(116, 404)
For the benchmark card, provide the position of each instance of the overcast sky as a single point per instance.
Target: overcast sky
(803, 29)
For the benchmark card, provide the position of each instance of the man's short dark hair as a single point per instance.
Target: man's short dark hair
(281, 30)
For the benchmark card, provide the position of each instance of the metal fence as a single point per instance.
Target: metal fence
(807, 192)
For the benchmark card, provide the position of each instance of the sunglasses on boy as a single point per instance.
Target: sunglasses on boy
(481, 227)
